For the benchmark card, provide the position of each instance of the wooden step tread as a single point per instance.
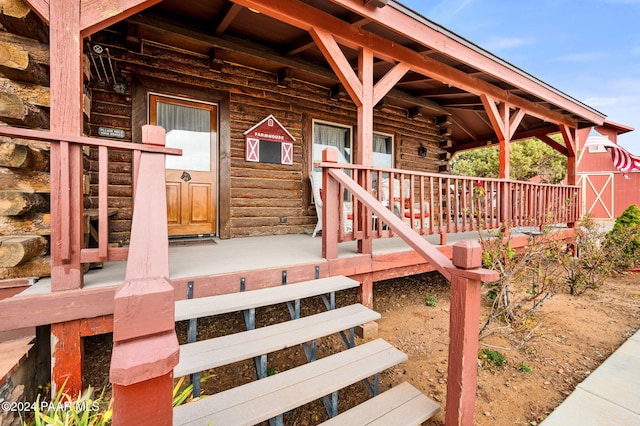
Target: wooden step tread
(233, 302)
(263, 399)
(402, 405)
(200, 356)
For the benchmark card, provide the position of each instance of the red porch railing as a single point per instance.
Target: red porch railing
(433, 203)
(463, 270)
(103, 252)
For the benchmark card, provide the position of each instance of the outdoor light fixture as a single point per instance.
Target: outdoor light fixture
(422, 151)
(120, 87)
(376, 3)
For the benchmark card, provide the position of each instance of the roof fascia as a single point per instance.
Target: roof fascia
(619, 128)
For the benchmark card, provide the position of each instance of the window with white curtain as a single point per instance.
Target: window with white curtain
(328, 135)
(382, 150)
(188, 128)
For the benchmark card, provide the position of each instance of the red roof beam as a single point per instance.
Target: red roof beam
(306, 17)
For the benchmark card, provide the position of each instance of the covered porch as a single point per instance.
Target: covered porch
(380, 65)
(350, 64)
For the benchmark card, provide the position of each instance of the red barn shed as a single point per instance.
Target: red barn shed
(606, 192)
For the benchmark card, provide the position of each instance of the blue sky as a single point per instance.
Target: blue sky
(588, 49)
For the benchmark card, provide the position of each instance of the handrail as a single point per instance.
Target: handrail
(45, 136)
(441, 262)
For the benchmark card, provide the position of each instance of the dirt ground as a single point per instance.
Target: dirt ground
(576, 334)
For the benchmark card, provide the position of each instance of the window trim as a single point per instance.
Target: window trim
(594, 149)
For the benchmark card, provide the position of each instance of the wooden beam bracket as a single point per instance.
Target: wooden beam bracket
(285, 76)
(215, 64)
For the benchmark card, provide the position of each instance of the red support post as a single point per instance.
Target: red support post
(66, 159)
(572, 179)
(364, 141)
(463, 332)
(67, 357)
(145, 346)
(331, 198)
(66, 186)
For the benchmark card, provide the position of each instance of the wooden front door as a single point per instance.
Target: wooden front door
(191, 178)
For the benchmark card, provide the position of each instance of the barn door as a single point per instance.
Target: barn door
(597, 193)
(192, 178)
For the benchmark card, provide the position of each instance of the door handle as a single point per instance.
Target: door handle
(185, 176)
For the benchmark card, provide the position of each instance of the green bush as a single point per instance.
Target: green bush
(523, 367)
(589, 263)
(629, 217)
(624, 238)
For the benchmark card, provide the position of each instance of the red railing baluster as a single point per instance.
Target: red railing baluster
(103, 202)
(456, 204)
(422, 208)
(432, 208)
(448, 204)
(65, 206)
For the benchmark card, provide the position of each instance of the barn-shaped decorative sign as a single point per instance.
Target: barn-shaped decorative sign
(269, 142)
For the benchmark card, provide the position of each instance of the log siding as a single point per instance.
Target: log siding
(263, 199)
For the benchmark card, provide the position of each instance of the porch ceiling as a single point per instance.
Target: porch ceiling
(228, 31)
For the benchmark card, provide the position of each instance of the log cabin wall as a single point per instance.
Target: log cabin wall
(25, 225)
(263, 199)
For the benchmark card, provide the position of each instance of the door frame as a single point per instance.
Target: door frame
(142, 85)
(213, 143)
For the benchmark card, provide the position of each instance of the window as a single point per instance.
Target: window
(188, 127)
(382, 150)
(597, 148)
(327, 135)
